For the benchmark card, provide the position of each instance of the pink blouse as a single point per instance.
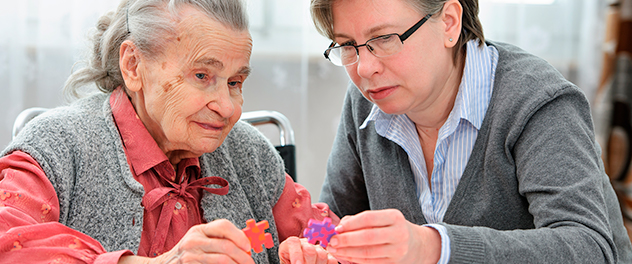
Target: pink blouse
(30, 231)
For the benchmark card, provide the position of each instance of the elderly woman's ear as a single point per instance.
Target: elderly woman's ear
(129, 59)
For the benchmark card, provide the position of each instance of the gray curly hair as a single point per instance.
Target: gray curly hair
(146, 23)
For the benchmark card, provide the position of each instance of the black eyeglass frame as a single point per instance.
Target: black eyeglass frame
(402, 37)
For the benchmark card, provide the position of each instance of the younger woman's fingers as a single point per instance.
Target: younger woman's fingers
(368, 219)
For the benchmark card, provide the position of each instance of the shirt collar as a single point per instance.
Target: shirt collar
(373, 116)
(473, 96)
(477, 82)
(142, 150)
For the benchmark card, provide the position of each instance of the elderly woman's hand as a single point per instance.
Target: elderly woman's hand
(297, 250)
(216, 242)
(384, 236)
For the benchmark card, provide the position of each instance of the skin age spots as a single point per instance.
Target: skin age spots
(190, 96)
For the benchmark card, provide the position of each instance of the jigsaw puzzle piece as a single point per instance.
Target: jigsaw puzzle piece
(319, 231)
(257, 236)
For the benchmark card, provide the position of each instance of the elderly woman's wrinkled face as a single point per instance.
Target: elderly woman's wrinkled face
(192, 93)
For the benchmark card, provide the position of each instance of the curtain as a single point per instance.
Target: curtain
(40, 41)
(566, 33)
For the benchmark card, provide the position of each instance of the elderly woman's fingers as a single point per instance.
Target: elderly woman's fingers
(216, 242)
(196, 248)
(294, 250)
(309, 252)
(208, 258)
(331, 259)
(322, 255)
(226, 230)
(290, 251)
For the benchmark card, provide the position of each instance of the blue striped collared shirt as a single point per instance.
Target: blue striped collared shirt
(455, 141)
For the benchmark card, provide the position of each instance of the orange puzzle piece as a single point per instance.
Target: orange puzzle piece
(257, 236)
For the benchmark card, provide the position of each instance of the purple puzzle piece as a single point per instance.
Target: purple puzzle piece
(320, 231)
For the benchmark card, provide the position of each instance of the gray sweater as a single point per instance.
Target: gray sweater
(534, 189)
(80, 150)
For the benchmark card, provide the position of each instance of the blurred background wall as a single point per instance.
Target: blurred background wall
(40, 41)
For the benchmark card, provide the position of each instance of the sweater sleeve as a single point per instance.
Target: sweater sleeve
(29, 215)
(559, 172)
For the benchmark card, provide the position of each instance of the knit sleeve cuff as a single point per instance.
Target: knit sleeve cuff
(466, 245)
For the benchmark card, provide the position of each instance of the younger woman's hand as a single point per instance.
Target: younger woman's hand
(384, 236)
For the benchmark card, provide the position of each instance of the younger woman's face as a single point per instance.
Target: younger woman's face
(408, 81)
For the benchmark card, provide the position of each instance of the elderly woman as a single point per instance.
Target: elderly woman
(456, 149)
(158, 163)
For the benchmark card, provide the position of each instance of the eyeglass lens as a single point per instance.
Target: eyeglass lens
(381, 47)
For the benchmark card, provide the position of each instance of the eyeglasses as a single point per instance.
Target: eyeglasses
(382, 46)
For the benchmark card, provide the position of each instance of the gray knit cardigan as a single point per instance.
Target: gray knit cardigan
(533, 191)
(80, 150)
